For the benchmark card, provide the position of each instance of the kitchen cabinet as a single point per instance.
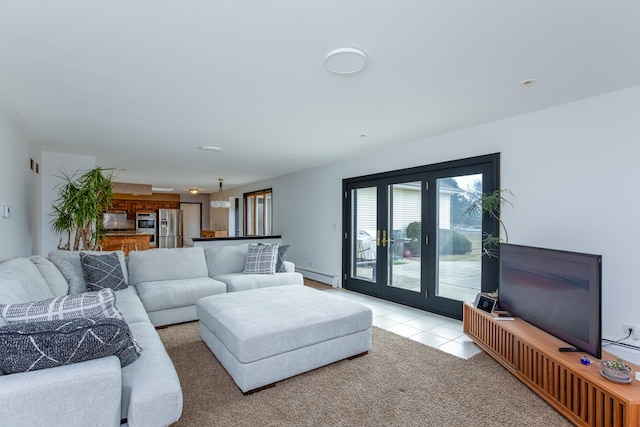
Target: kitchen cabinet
(134, 206)
(119, 205)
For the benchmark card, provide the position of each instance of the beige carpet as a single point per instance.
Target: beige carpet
(399, 383)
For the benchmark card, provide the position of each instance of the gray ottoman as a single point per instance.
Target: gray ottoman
(265, 335)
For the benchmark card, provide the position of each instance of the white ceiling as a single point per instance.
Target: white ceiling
(141, 84)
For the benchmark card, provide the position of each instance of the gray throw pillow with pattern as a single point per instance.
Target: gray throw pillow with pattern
(102, 271)
(28, 347)
(97, 305)
(261, 259)
(94, 305)
(282, 257)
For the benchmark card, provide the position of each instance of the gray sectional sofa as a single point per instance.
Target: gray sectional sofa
(163, 288)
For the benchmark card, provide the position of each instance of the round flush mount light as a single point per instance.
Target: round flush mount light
(345, 60)
(210, 148)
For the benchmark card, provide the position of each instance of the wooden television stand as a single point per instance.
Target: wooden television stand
(577, 391)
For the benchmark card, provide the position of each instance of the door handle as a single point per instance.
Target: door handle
(384, 238)
(377, 237)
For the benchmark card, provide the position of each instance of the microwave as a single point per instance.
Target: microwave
(146, 223)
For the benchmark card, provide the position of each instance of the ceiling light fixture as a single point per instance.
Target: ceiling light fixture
(163, 189)
(346, 60)
(194, 191)
(210, 148)
(219, 199)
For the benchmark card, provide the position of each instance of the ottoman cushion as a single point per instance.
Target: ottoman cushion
(265, 322)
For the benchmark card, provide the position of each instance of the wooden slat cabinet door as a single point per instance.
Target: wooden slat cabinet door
(119, 205)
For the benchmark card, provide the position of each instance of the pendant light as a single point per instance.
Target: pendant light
(219, 199)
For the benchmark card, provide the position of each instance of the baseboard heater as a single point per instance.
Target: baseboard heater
(334, 281)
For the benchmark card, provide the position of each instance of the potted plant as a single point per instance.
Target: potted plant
(616, 370)
(78, 210)
(490, 204)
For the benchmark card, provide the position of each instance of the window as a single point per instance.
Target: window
(257, 213)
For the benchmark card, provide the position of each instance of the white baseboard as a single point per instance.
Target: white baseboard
(333, 281)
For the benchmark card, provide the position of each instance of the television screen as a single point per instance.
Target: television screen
(556, 291)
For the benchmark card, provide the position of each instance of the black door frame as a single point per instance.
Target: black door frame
(490, 167)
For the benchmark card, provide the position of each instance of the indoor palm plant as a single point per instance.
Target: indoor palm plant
(491, 204)
(79, 208)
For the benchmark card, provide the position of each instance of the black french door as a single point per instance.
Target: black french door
(410, 238)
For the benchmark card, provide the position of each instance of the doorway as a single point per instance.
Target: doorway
(410, 238)
(191, 221)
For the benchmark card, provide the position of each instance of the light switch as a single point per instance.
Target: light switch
(6, 212)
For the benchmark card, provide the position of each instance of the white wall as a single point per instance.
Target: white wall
(19, 188)
(573, 170)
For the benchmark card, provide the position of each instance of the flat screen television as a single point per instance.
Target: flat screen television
(556, 291)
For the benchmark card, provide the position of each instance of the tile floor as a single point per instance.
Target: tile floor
(427, 328)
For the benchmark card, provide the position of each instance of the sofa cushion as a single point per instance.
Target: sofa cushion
(166, 264)
(102, 271)
(244, 282)
(68, 262)
(164, 294)
(20, 281)
(151, 392)
(261, 259)
(226, 259)
(56, 281)
(39, 345)
(130, 306)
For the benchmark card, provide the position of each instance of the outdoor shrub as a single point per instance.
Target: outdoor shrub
(452, 242)
(414, 231)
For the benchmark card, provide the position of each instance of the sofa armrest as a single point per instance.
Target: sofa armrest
(81, 394)
(289, 266)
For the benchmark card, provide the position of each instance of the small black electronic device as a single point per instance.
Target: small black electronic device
(505, 314)
(484, 303)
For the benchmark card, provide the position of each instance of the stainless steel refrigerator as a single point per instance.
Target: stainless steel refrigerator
(169, 228)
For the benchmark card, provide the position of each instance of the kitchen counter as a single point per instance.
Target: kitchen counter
(123, 233)
(126, 241)
(214, 242)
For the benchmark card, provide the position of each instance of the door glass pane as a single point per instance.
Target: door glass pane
(459, 238)
(364, 229)
(404, 235)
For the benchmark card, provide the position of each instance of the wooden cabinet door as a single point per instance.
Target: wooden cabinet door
(119, 205)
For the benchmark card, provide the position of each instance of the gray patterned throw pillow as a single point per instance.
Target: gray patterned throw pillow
(32, 346)
(282, 256)
(94, 305)
(102, 271)
(88, 304)
(261, 259)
